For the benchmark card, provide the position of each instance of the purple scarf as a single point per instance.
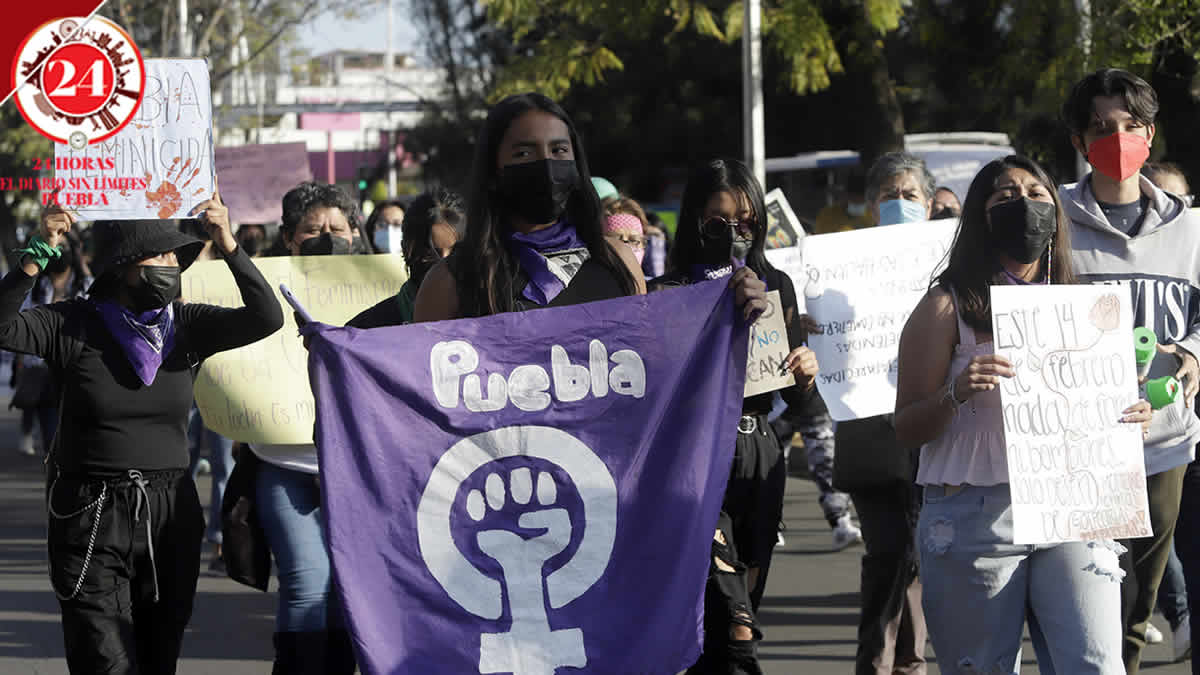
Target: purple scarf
(531, 250)
(145, 337)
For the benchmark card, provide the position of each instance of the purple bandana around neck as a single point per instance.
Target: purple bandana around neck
(1017, 281)
(531, 249)
(145, 337)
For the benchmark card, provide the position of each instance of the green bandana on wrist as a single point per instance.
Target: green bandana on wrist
(40, 253)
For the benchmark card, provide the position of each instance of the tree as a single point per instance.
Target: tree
(579, 42)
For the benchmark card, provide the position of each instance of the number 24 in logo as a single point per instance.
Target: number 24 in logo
(79, 80)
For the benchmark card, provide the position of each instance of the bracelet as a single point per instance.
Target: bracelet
(951, 397)
(40, 253)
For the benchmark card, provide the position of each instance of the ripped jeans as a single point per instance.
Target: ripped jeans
(979, 587)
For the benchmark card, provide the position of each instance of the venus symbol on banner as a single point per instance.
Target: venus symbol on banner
(529, 647)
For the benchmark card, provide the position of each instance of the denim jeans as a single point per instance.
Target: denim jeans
(220, 459)
(289, 508)
(978, 587)
(1172, 592)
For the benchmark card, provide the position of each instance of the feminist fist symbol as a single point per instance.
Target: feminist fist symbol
(529, 647)
(522, 560)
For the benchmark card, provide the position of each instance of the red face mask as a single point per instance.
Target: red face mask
(1119, 155)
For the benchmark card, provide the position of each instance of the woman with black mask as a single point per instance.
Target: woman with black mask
(318, 219)
(721, 232)
(430, 231)
(534, 235)
(125, 522)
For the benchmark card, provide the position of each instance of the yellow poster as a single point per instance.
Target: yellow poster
(260, 393)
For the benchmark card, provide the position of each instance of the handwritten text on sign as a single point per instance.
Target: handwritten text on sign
(161, 164)
(769, 349)
(861, 287)
(260, 393)
(1075, 470)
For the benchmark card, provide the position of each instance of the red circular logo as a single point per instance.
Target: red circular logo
(79, 80)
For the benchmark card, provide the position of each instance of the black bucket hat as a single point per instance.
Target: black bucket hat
(120, 242)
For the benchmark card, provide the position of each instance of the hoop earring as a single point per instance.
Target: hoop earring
(1049, 261)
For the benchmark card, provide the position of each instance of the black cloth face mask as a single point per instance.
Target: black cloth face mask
(1022, 228)
(157, 286)
(537, 191)
(326, 244)
(720, 243)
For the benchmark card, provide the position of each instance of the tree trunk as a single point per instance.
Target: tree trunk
(1176, 79)
(874, 100)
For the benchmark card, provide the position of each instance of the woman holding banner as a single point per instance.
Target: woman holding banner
(535, 229)
(722, 232)
(979, 586)
(125, 522)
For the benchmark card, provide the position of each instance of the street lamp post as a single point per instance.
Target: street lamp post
(753, 136)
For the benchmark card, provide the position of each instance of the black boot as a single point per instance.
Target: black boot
(339, 657)
(300, 653)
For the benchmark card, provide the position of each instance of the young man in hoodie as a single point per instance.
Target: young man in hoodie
(1124, 229)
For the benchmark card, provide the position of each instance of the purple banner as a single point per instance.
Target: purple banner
(252, 179)
(534, 492)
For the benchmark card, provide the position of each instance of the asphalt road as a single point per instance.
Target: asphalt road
(809, 614)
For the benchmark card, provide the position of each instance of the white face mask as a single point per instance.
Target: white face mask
(387, 239)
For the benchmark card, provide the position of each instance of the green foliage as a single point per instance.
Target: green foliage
(1129, 31)
(563, 44)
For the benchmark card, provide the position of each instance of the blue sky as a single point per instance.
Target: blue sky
(329, 32)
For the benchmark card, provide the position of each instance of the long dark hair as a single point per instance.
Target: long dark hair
(377, 215)
(485, 270)
(434, 206)
(973, 265)
(706, 180)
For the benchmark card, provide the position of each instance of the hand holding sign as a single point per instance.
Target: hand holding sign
(215, 216)
(803, 365)
(982, 374)
(56, 222)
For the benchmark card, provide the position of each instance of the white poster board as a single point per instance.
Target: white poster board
(1075, 470)
(161, 164)
(861, 287)
(768, 347)
(790, 261)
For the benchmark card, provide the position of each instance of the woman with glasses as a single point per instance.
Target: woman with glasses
(430, 231)
(626, 221)
(722, 230)
(384, 226)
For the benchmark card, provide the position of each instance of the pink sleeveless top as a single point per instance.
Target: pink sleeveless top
(971, 449)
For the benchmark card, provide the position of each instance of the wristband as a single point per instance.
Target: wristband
(40, 253)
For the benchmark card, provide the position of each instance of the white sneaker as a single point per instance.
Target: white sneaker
(1181, 638)
(25, 446)
(845, 533)
(1154, 636)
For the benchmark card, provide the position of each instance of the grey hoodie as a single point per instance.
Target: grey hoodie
(1162, 266)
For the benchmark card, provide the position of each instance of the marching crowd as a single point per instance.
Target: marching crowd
(119, 350)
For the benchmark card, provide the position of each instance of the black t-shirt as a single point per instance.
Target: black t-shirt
(1126, 217)
(111, 422)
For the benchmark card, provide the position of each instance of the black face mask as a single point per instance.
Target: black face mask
(251, 245)
(359, 246)
(720, 245)
(326, 244)
(1022, 228)
(157, 286)
(537, 192)
(943, 213)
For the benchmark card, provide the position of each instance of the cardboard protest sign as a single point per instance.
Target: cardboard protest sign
(1075, 470)
(861, 288)
(783, 228)
(765, 370)
(259, 393)
(161, 164)
(254, 179)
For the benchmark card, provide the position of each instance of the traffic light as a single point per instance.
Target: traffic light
(363, 173)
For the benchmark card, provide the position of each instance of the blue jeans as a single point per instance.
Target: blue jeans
(1172, 594)
(289, 508)
(220, 459)
(978, 588)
